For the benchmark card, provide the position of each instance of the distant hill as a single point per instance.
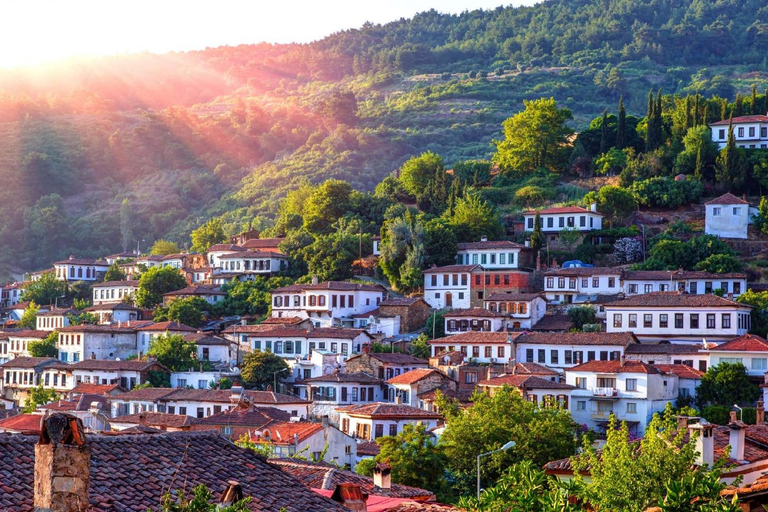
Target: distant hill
(227, 131)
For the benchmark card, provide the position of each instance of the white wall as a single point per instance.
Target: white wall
(730, 222)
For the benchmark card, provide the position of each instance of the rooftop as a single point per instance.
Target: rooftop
(616, 367)
(562, 209)
(107, 284)
(490, 244)
(525, 382)
(332, 285)
(744, 343)
(392, 358)
(663, 348)
(578, 338)
(585, 271)
(414, 376)
(244, 416)
(513, 296)
(452, 268)
(675, 299)
(401, 301)
(473, 312)
(194, 290)
(135, 365)
(387, 410)
(741, 120)
(167, 326)
(156, 419)
(357, 377)
(683, 371)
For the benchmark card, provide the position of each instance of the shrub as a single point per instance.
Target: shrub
(666, 192)
(532, 196)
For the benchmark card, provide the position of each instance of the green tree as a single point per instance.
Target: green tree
(492, 422)
(759, 303)
(621, 126)
(568, 237)
(435, 327)
(45, 290)
(473, 218)
(582, 315)
(259, 369)
(628, 476)
(402, 252)
(536, 137)
(719, 264)
(249, 297)
(726, 384)
(28, 320)
(537, 236)
(439, 243)
(38, 396)
(604, 144)
(611, 162)
(417, 173)
(731, 170)
(210, 233)
(325, 205)
(155, 282)
(420, 348)
(616, 203)
(188, 311)
(163, 248)
(330, 256)
(45, 347)
(201, 500)
(175, 353)
(126, 224)
(414, 459)
(114, 273)
(83, 318)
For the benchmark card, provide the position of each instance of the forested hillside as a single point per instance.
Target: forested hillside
(228, 131)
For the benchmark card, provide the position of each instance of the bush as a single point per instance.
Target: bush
(628, 250)
(717, 414)
(473, 74)
(585, 253)
(532, 195)
(666, 192)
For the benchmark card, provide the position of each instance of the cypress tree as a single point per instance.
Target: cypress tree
(688, 115)
(765, 103)
(604, 133)
(738, 106)
(726, 168)
(621, 126)
(699, 170)
(753, 101)
(723, 109)
(537, 237)
(658, 124)
(650, 119)
(696, 111)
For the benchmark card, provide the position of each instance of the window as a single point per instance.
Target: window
(550, 222)
(572, 283)
(581, 382)
(483, 259)
(590, 355)
(561, 222)
(751, 131)
(737, 211)
(553, 356)
(463, 279)
(584, 282)
(378, 431)
(542, 359)
(595, 282)
(694, 320)
(393, 430)
(568, 357)
(500, 352)
(648, 320)
(741, 131)
(726, 320)
(433, 282)
(759, 363)
(631, 408)
(648, 288)
(632, 320)
(581, 405)
(631, 384)
(550, 282)
(200, 412)
(721, 134)
(582, 221)
(663, 320)
(632, 288)
(730, 360)
(530, 219)
(617, 320)
(475, 351)
(503, 258)
(488, 351)
(717, 211)
(611, 282)
(678, 320)
(710, 320)
(470, 378)
(446, 281)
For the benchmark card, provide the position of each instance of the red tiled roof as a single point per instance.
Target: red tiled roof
(615, 367)
(76, 261)
(663, 348)
(135, 365)
(225, 248)
(534, 369)
(476, 338)
(578, 338)
(29, 362)
(368, 448)
(554, 323)
(741, 120)
(562, 209)
(473, 312)
(263, 243)
(526, 297)
(332, 285)
(401, 301)
(167, 326)
(201, 338)
(360, 377)
(728, 198)
(79, 403)
(194, 290)
(111, 329)
(491, 244)
(387, 410)
(585, 271)
(336, 332)
(392, 358)
(106, 284)
(156, 419)
(21, 423)
(452, 268)
(95, 389)
(683, 371)
(285, 432)
(286, 320)
(525, 382)
(676, 299)
(744, 343)
(413, 376)
(245, 416)
(30, 333)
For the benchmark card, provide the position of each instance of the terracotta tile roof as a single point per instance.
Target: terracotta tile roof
(76, 261)
(79, 403)
(401, 301)
(524, 382)
(332, 285)
(562, 209)
(615, 367)
(452, 268)
(194, 290)
(473, 312)
(95, 389)
(360, 377)
(475, 338)
(21, 423)
(676, 299)
(248, 329)
(744, 343)
(336, 333)
(698, 274)
(156, 419)
(208, 395)
(683, 371)
(107, 284)
(285, 432)
(314, 474)
(30, 333)
(368, 449)
(263, 243)
(103, 364)
(84, 328)
(741, 120)
(285, 320)
(663, 348)
(387, 410)
(392, 358)
(585, 271)
(112, 306)
(462, 396)
(167, 326)
(534, 369)
(225, 248)
(417, 506)
(145, 394)
(130, 473)
(527, 297)
(281, 332)
(414, 376)
(648, 275)
(29, 362)
(252, 254)
(244, 416)
(491, 244)
(578, 338)
(200, 338)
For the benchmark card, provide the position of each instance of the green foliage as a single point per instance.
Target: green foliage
(45, 347)
(327, 203)
(366, 466)
(249, 297)
(666, 192)
(473, 172)
(258, 369)
(45, 290)
(416, 461)
(473, 218)
(439, 243)
(611, 162)
(329, 257)
(188, 311)
(38, 396)
(210, 233)
(615, 202)
(84, 317)
(435, 327)
(403, 252)
(669, 254)
(759, 312)
(155, 282)
(28, 319)
(726, 384)
(114, 273)
(202, 500)
(581, 315)
(164, 248)
(417, 172)
(420, 348)
(266, 450)
(175, 353)
(492, 422)
(719, 264)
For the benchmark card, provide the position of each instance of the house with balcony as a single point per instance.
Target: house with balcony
(727, 216)
(494, 254)
(477, 347)
(749, 349)
(74, 269)
(632, 391)
(541, 391)
(215, 252)
(520, 310)
(473, 319)
(328, 392)
(328, 304)
(560, 351)
(678, 317)
(579, 284)
(378, 419)
(111, 292)
(245, 265)
(448, 286)
(749, 132)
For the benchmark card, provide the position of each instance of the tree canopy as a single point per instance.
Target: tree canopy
(175, 353)
(259, 369)
(155, 282)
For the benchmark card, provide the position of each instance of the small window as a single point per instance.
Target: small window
(717, 211)
(631, 384)
(631, 408)
(617, 320)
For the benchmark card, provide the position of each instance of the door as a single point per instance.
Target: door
(449, 300)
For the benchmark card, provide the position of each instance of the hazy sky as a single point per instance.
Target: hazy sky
(35, 31)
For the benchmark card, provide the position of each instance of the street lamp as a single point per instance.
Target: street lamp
(138, 242)
(275, 377)
(502, 449)
(56, 301)
(741, 412)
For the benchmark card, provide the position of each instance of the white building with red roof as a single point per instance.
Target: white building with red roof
(449, 286)
(748, 131)
(74, 269)
(492, 254)
(539, 390)
(406, 388)
(374, 420)
(749, 349)
(554, 220)
(727, 216)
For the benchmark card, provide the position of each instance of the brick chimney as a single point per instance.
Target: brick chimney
(760, 413)
(350, 496)
(62, 465)
(232, 494)
(381, 476)
(366, 348)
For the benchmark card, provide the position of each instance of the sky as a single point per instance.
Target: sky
(39, 31)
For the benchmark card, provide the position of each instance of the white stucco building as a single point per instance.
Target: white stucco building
(727, 217)
(473, 319)
(521, 310)
(491, 255)
(554, 220)
(80, 342)
(449, 286)
(750, 350)
(74, 269)
(576, 284)
(374, 420)
(749, 132)
(111, 292)
(694, 282)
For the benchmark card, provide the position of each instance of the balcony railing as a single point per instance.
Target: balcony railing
(605, 392)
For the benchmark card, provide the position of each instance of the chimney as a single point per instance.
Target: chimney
(593, 207)
(705, 443)
(366, 348)
(528, 243)
(325, 421)
(760, 413)
(381, 476)
(315, 280)
(623, 360)
(350, 496)
(484, 238)
(232, 494)
(62, 465)
(736, 438)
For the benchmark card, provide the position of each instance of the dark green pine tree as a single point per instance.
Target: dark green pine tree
(621, 126)
(537, 237)
(696, 110)
(753, 101)
(604, 133)
(650, 142)
(723, 109)
(699, 170)
(658, 125)
(765, 103)
(727, 161)
(688, 114)
(738, 106)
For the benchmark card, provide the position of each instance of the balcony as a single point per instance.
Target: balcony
(606, 392)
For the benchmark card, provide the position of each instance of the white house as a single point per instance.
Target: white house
(492, 255)
(636, 282)
(310, 439)
(748, 131)
(215, 252)
(688, 378)
(522, 310)
(541, 391)
(146, 333)
(18, 341)
(473, 319)
(74, 269)
(576, 284)
(246, 264)
(630, 390)
(115, 312)
(554, 220)
(448, 286)
(54, 319)
(480, 347)
(374, 420)
(376, 243)
(560, 351)
(406, 388)
(80, 342)
(210, 295)
(678, 317)
(22, 374)
(127, 374)
(750, 350)
(666, 353)
(114, 291)
(727, 216)
(213, 348)
(296, 343)
(11, 295)
(328, 304)
(327, 392)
